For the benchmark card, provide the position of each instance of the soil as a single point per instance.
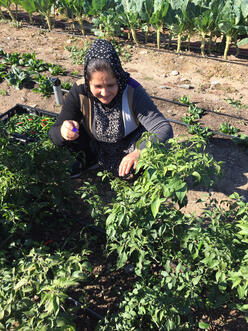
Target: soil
(208, 82)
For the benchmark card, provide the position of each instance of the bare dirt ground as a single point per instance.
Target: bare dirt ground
(207, 82)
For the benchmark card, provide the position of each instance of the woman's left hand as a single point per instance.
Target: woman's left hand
(129, 161)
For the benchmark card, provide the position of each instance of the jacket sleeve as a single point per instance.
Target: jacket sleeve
(70, 111)
(150, 117)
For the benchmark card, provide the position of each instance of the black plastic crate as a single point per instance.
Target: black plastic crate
(20, 109)
(24, 109)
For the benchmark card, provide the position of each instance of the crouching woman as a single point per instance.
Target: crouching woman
(103, 117)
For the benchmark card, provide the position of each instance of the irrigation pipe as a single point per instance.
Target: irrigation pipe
(184, 105)
(181, 123)
(205, 110)
(214, 132)
(193, 55)
(85, 223)
(91, 226)
(88, 310)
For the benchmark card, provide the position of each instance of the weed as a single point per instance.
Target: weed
(235, 103)
(78, 54)
(3, 92)
(228, 128)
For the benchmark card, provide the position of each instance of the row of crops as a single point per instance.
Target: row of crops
(209, 19)
(184, 266)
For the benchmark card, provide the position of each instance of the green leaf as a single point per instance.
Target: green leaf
(243, 42)
(22, 282)
(196, 280)
(204, 325)
(241, 291)
(244, 8)
(196, 175)
(244, 229)
(155, 205)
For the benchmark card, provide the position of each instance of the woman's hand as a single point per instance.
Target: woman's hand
(130, 160)
(70, 130)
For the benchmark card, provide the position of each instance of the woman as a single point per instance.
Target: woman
(104, 117)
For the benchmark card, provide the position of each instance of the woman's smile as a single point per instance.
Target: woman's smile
(103, 85)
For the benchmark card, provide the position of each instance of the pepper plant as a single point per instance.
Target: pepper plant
(185, 264)
(37, 269)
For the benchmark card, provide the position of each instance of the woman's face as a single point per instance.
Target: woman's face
(103, 85)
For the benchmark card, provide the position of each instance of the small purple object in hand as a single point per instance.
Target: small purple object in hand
(75, 129)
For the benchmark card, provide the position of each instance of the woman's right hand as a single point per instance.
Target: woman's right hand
(70, 130)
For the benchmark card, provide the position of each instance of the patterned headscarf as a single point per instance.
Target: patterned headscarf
(102, 49)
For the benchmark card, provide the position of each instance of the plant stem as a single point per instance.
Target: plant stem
(73, 23)
(210, 43)
(189, 38)
(30, 18)
(1, 14)
(170, 39)
(228, 42)
(203, 43)
(237, 47)
(16, 11)
(11, 14)
(81, 24)
(133, 32)
(49, 23)
(158, 38)
(179, 38)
